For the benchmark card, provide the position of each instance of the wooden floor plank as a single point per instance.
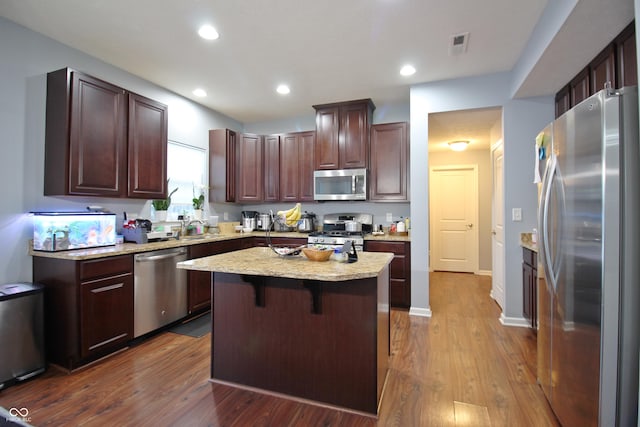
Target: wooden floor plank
(460, 363)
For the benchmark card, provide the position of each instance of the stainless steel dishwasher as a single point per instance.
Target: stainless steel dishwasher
(160, 289)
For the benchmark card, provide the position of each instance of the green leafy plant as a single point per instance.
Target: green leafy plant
(163, 204)
(198, 202)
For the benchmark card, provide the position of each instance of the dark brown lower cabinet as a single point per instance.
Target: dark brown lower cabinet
(199, 282)
(530, 286)
(400, 271)
(88, 307)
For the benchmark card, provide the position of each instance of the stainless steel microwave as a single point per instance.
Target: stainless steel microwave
(340, 184)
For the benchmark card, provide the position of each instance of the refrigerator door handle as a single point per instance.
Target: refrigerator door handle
(543, 218)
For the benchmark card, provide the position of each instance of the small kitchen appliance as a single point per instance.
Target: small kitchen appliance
(264, 221)
(249, 219)
(307, 222)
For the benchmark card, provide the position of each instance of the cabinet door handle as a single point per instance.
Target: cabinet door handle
(107, 288)
(469, 226)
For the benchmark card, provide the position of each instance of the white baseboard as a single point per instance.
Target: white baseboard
(421, 312)
(520, 322)
(483, 272)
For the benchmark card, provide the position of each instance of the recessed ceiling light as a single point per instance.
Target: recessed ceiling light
(407, 70)
(200, 93)
(207, 32)
(283, 89)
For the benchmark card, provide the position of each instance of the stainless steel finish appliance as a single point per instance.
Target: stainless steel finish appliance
(589, 263)
(160, 289)
(341, 184)
(307, 222)
(264, 221)
(249, 219)
(21, 332)
(334, 230)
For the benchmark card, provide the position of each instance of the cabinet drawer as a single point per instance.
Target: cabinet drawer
(529, 257)
(106, 267)
(397, 248)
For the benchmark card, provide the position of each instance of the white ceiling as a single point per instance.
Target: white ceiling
(468, 125)
(326, 50)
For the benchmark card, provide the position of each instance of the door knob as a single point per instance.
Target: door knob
(469, 226)
(493, 232)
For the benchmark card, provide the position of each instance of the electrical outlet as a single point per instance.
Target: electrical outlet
(516, 214)
(225, 216)
(389, 217)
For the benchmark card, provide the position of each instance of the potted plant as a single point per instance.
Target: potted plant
(162, 205)
(197, 202)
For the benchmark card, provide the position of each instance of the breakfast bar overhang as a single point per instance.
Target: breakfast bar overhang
(313, 331)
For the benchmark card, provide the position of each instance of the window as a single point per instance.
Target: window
(187, 171)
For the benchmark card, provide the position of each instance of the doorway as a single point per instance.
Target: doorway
(482, 128)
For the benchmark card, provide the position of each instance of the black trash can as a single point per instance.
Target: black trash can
(21, 332)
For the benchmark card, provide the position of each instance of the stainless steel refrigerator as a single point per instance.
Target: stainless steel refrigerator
(589, 262)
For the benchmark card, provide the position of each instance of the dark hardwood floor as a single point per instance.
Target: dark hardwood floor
(460, 367)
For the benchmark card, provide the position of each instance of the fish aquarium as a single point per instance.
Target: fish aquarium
(61, 231)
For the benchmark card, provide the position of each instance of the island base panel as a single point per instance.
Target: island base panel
(282, 346)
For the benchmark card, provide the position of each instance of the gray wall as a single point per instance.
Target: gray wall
(481, 158)
(521, 121)
(25, 59)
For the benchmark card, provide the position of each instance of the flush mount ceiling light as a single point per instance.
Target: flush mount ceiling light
(407, 70)
(458, 145)
(207, 32)
(283, 89)
(200, 93)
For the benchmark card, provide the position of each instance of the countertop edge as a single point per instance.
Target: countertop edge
(134, 248)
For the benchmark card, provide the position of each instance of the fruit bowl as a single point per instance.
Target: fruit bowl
(315, 254)
(285, 250)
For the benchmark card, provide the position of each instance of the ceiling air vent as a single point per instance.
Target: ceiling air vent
(458, 43)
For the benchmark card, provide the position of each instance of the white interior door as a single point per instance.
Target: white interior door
(497, 230)
(453, 206)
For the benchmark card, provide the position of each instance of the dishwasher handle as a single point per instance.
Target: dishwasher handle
(154, 257)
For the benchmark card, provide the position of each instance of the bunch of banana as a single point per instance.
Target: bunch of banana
(292, 215)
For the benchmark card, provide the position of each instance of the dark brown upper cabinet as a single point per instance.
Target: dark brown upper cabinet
(222, 165)
(579, 87)
(563, 101)
(271, 168)
(296, 166)
(342, 134)
(626, 63)
(101, 140)
(250, 168)
(147, 145)
(603, 70)
(389, 177)
(615, 64)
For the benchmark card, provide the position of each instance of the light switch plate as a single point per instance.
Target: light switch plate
(389, 217)
(226, 216)
(516, 214)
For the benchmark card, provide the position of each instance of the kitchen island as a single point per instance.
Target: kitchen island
(312, 331)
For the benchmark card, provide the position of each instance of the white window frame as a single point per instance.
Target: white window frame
(186, 170)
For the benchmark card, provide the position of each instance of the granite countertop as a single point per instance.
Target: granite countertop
(525, 242)
(133, 248)
(261, 261)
